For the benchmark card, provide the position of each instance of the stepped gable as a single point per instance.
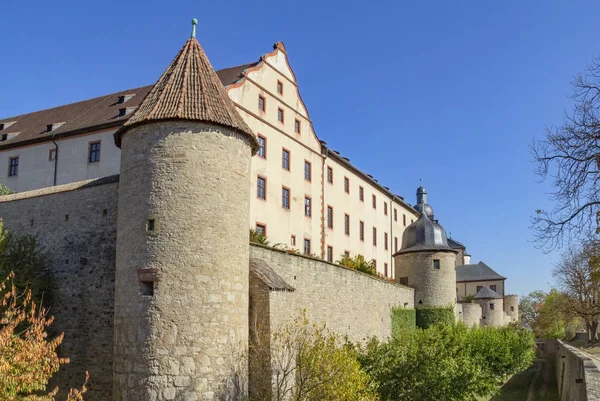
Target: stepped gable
(189, 89)
(478, 272)
(487, 293)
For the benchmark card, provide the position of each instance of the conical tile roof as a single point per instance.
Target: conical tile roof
(189, 89)
(487, 293)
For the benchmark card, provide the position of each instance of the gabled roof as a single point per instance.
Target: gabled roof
(487, 293)
(478, 272)
(88, 115)
(272, 280)
(189, 89)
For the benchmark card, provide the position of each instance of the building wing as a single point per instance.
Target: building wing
(476, 272)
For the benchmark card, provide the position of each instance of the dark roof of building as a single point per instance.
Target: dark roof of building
(456, 244)
(424, 235)
(478, 272)
(272, 280)
(88, 115)
(486, 293)
(189, 89)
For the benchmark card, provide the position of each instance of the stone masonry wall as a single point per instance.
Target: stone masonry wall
(77, 225)
(471, 314)
(349, 302)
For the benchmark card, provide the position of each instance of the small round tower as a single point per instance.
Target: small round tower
(425, 261)
(181, 285)
(471, 315)
(511, 307)
(492, 311)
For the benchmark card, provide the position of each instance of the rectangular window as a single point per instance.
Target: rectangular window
(280, 87)
(346, 185)
(385, 208)
(385, 269)
(307, 171)
(374, 236)
(347, 254)
(330, 254)
(307, 208)
(306, 246)
(361, 194)
(297, 126)
(13, 166)
(374, 202)
(285, 198)
(479, 287)
(361, 230)
(395, 214)
(293, 240)
(261, 229)
(404, 220)
(385, 240)
(280, 114)
(493, 287)
(94, 152)
(395, 244)
(403, 280)
(52, 154)
(347, 224)
(329, 175)
(491, 306)
(262, 150)
(262, 103)
(512, 308)
(436, 264)
(261, 188)
(329, 217)
(285, 159)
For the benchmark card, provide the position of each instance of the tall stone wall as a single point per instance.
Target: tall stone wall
(471, 315)
(77, 225)
(349, 302)
(491, 316)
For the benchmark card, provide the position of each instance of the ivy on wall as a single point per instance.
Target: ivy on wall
(429, 316)
(403, 319)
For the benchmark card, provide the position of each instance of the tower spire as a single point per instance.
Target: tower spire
(194, 23)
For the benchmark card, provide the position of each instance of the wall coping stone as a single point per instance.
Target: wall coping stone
(299, 255)
(73, 186)
(591, 372)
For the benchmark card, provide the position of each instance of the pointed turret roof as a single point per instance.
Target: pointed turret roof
(189, 89)
(487, 293)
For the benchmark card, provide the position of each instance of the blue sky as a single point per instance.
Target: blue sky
(453, 91)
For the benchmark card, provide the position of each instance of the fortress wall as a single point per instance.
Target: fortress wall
(81, 248)
(349, 302)
(471, 314)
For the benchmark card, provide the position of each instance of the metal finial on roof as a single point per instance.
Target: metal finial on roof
(194, 23)
(450, 235)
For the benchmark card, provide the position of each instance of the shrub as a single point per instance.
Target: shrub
(430, 316)
(446, 362)
(403, 319)
(258, 238)
(358, 263)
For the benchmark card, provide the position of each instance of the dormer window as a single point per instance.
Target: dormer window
(6, 124)
(123, 98)
(125, 111)
(53, 126)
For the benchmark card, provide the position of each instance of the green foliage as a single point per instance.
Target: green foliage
(358, 263)
(468, 298)
(430, 316)
(446, 362)
(22, 254)
(403, 319)
(258, 238)
(310, 363)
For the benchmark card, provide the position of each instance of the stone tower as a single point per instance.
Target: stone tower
(181, 287)
(511, 307)
(492, 311)
(425, 261)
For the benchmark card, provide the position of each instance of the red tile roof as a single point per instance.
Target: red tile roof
(189, 89)
(88, 115)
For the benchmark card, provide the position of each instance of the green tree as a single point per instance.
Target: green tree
(529, 307)
(358, 263)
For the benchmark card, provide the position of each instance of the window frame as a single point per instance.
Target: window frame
(309, 165)
(281, 113)
(264, 103)
(259, 224)
(306, 241)
(361, 193)
(329, 217)
(283, 189)
(374, 236)
(13, 169)
(96, 152)
(347, 224)
(346, 185)
(297, 126)
(361, 231)
(307, 208)
(264, 179)
(329, 254)
(395, 214)
(395, 244)
(385, 240)
(263, 147)
(293, 240)
(289, 159)
(330, 176)
(279, 86)
(437, 264)
(374, 198)
(51, 154)
(385, 269)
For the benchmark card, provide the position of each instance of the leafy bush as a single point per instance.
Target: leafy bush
(403, 319)
(430, 316)
(258, 238)
(358, 263)
(446, 362)
(28, 358)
